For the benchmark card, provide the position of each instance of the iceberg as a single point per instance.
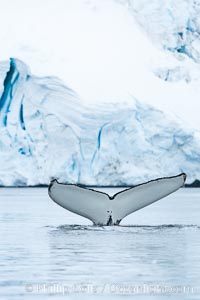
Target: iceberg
(46, 132)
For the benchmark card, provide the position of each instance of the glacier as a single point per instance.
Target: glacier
(172, 25)
(46, 132)
(120, 45)
(175, 74)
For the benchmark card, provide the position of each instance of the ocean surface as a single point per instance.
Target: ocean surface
(47, 252)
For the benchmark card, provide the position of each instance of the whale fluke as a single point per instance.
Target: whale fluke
(103, 209)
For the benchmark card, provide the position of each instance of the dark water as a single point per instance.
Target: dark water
(47, 252)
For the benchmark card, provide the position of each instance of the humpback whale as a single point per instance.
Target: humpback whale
(103, 209)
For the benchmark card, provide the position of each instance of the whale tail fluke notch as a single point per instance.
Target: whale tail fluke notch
(102, 209)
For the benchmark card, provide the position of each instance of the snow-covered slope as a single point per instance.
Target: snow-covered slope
(172, 25)
(46, 132)
(120, 45)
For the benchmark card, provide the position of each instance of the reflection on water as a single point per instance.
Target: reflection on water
(43, 244)
(69, 227)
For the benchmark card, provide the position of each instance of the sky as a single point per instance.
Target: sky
(98, 49)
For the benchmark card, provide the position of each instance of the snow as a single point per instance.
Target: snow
(47, 132)
(173, 74)
(106, 79)
(108, 50)
(172, 25)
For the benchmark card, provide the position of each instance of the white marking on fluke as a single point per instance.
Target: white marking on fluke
(102, 209)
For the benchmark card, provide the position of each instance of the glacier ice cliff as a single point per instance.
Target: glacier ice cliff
(46, 132)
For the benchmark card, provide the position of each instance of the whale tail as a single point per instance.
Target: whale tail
(102, 209)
